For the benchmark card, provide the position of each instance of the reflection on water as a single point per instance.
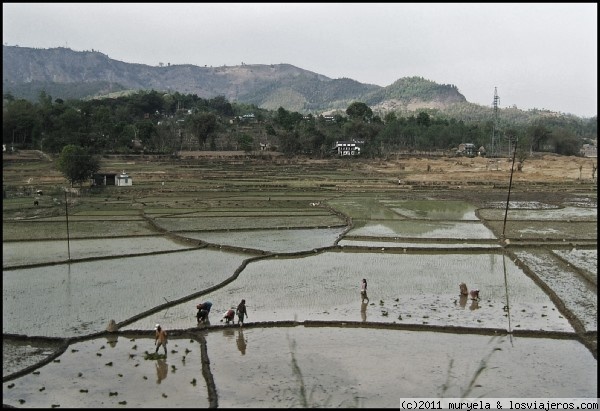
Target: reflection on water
(474, 305)
(203, 324)
(463, 301)
(241, 341)
(228, 333)
(363, 311)
(366, 208)
(434, 210)
(112, 340)
(161, 370)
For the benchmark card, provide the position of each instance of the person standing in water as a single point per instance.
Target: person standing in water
(241, 311)
(160, 338)
(363, 290)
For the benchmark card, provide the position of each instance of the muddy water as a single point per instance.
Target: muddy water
(433, 210)
(37, 252)
(403, 288)
(337, 367)
(422, 229)
(276, 241)
(68, 300)
(341, 367)
(585, 260)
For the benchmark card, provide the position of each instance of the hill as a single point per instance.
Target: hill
(67, 74)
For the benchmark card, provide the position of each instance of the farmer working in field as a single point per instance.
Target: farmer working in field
(229, 315)
(363, 290)
(160, 338)
(241, 311)
(203, 311)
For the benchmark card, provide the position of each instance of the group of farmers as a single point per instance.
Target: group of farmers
(228, 316)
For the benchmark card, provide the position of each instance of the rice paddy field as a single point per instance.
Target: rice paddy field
(294, 240)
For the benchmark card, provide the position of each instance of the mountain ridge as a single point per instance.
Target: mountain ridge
(65, 73)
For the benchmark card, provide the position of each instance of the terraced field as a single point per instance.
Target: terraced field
(294, 237)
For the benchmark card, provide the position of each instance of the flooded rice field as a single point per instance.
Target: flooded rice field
(308, 340)
(304, 367)
(38, 252)
(274, 241)
(422, 229)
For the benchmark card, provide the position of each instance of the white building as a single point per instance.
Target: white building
(348, 148)
(123, 179)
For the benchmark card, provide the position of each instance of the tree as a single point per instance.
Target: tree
(359, 111)
(245, 142)
(19, 120)
(423, 119)
(566, 142)
(203, 125)
(538, 134)
(77, 164)
(287, 119)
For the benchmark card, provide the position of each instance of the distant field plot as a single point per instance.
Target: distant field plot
(433, 210)
(105, 213)
(586, 260)
(521, 205)
(40, 230)
(421, 229)
(179, 224)
(37, 252)
(94, 217)
(276, 241)
(259, 213)
(556, 214)
(384, 244)
(554, 230)
(364, 208)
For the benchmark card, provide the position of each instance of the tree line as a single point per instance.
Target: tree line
(164, 123)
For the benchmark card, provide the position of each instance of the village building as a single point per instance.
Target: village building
(589, 150)
(111, 179)
(103, 179)
(467, 150)
(123, 179)
(348, 148)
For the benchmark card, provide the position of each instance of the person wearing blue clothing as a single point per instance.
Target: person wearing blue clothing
(203, 311)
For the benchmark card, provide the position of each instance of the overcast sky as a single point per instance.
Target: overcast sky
(538, 55)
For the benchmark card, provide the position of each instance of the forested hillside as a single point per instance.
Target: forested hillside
(66, 74)
(164, 123)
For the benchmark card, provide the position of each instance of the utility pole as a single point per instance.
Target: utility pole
(67, 219)
(495, 126)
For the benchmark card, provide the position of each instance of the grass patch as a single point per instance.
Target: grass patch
(154, 356)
